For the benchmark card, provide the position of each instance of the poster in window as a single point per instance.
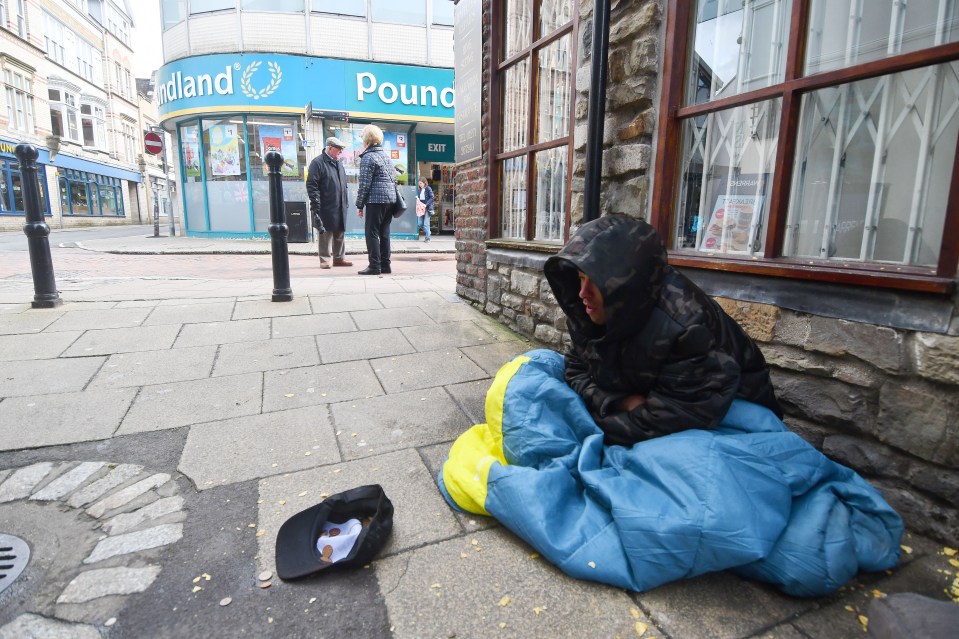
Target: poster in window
(191, 151)
(280, 139)
(394, 144)
(224, 150)
(350, 156)
(733, 224)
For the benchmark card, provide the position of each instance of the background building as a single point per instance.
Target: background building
(69, 90)
(799, 161)
(244, 77)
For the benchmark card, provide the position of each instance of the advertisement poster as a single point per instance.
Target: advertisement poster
(224, 150)
(395, 145)
(280, 139)
(397, 150)
(350, 156)
(191, 151)
(732, 224)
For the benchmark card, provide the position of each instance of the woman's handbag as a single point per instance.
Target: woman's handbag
(420, 208)
(399, 206)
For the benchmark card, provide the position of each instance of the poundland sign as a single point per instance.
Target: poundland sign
(285, 83)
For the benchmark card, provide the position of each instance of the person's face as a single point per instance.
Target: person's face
(422, 184)
(592, 299)
(334, 152)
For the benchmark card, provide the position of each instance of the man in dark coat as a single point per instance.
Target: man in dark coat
(329, 200)
(651, 353)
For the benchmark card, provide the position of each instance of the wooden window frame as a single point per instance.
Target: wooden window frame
(498, 71)
(672, 114)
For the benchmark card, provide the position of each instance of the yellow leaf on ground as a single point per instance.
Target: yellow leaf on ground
(260, 532)
(196, 579)
(435, 586)
(539, 609)
(907, 549)
(502, 625)
(535, 555)
(303, 494)
(641, 628)
(463, 555)
(634, 612)
(289, 395)
(197, 588)
(849, 608)
(864, 620)
(505, 601)
(950, 552)
(954, 563)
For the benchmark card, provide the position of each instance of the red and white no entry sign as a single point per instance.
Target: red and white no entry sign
(153, 143)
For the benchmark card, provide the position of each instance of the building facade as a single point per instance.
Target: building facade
(799, 161)
(69, 91)
(245, 77)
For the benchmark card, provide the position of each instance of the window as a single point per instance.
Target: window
(3, 13)
(64, 114)
(278, 6)
(443, 12)
(19, 93)
(128, 133)
(408, 12)
(11, 189)
(533, 83)
(823, 149)
(93, 124)
(343, 7)
(174, 12)
(83, 193)
(54, 39)
(19, 18)
(89, 63)
(202, 6)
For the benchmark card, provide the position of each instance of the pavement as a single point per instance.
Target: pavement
(153, 440)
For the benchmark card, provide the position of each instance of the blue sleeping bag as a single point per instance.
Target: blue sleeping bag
(749, 496)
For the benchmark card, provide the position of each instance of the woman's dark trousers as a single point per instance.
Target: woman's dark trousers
(378, 218)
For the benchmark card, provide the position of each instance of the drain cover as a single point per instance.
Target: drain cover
(14, 555)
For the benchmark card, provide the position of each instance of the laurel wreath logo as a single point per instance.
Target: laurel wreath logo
(276, 76)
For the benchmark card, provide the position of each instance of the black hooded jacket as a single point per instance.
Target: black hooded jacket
(664, 338)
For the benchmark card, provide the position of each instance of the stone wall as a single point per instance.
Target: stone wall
(882, 400)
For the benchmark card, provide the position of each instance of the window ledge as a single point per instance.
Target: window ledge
(522, 245)
(891, 276)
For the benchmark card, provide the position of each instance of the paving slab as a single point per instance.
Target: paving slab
(339, 303)
(121, 340)
(490, 584)
(492, 357)
(423, 370)
(374, 426)
(298, 387)
(471, 397)
(155, 367)
(208, 333)
(37, 627)
(729, 606)
(26, 322)
(420, 515)
(62, 418)
(67, 482)
(35, 346)
(161, 535)
(103, 318)
(454, 313)
(265, 355)
(21, 482)
(243, 448)
(182, 301)
(446, 335)
(184, 403)
(391, 318)
(13, 308)
(105, 582)
(190, 313)
(318, 324)
(45, 376)
(421, 298)
(265, 308)
(345, 347)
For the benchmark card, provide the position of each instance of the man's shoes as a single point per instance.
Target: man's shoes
(427, 239)
(369, 271)
(386, 270)
(342, 263)
(325, 265)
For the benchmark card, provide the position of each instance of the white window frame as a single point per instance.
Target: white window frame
(69, 111)
(18, 90)
(97, 118)
(53, 36)
(21, 18)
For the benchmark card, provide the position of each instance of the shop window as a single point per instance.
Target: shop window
(64, 115)
(443, 12)
(174, 12)
(277, 6)
(342, 7)
(193, 192)
(204, 6)
(408, 12)
(533, 125)
(11, 189)
(228, 198)
(282, 135)
(89, 194)
(817, 140)
(19, 95)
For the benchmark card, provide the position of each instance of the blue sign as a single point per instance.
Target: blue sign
(434, 148)
(279, 83)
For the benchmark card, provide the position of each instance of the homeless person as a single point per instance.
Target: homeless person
(651, 353)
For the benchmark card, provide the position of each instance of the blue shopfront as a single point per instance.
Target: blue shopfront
(228, 110)
(86, 189)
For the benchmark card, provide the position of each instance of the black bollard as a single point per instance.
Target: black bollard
(279, 231)
(37, 231)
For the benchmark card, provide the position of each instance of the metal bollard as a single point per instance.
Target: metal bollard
(279, 231)
(37, 231)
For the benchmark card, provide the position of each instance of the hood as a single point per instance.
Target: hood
(626, 259)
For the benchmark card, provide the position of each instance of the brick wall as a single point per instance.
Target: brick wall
(882, 400)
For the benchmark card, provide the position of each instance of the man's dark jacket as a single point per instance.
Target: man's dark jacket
(664, 338)
(329, 196)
